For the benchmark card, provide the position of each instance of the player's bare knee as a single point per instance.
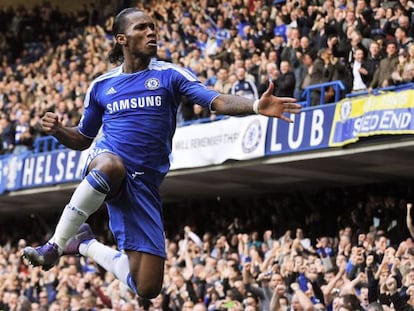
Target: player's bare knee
(112, 166)
(148, 291)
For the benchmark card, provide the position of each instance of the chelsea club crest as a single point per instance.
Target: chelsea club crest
(346, 108)
(252, 136)
(152, 84)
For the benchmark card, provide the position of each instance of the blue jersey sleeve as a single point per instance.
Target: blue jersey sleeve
(190, 86)
(91, 120)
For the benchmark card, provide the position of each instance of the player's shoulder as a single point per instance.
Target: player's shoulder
(108, 75)
(97, 82)
(161, 65)
(157, 64)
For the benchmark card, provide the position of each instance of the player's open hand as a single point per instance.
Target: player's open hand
(272, 106)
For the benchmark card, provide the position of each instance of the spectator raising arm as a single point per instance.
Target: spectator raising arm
(329, 288)
(409, 219)
(275, 301)
(299, 297)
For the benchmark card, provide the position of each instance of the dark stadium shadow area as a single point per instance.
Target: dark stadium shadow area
(38, 226)
(319, 213)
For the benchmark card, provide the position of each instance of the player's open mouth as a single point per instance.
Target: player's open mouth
(152, 43)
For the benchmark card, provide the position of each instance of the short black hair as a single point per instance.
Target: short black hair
(120, 20)
(118, 27)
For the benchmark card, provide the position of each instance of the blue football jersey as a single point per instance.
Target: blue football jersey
(137, 112)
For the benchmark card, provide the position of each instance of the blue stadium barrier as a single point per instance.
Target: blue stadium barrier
(381, 90)
(337, 85)
(356, 94)
(201, 120)
(46, 144)
(393, 88)
(303, 104)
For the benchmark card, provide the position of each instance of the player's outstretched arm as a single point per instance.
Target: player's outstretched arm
(68, 136)
(268, 105)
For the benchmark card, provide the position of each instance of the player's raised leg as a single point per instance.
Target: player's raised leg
(104, 179)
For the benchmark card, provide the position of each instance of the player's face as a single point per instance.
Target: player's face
(140, 37)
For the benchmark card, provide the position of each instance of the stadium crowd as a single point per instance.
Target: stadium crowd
(334, 249)
(285, 254)
(49, 57)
